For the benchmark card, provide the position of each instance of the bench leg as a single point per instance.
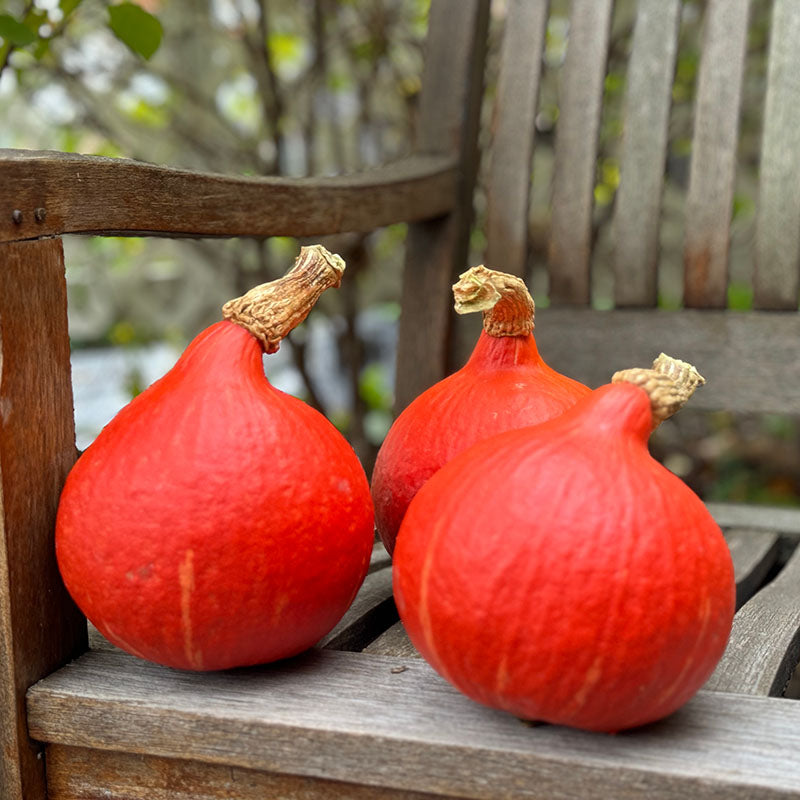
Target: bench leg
(40, 627)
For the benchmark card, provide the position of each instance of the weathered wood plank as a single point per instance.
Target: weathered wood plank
(513, 124)
(770, 518)
(85, 194)
(750, 359)
(713, 166)
(777, 247)
(580, 107)
(637, 216)
(436, 250)
(393, 642)
(40, 628)
(357, 718)
(754, 552)
(78, 773)
(764, 647)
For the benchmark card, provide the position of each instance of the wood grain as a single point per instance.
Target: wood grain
(40, 628)
(750, 360)
(353, 718)
(87, 194)
(764, 647)
(78, 773)
(393, 642)
(436, 250)
(513, 130)
(745, 515)
(713, 167)
(637, 216)
(577, 129)
(754, 553)
(777, 248)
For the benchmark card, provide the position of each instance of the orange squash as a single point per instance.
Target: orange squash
(217, 522)
(560, 573)
(505, 384)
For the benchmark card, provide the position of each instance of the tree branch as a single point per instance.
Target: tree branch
(273, 104)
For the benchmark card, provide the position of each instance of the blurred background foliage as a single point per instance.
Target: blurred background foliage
(323, 87)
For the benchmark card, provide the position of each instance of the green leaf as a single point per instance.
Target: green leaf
(373, 387)
(41, 49)
(284, 48)
(740, 297)
(136, 28)
(15, 32)
(68, 6)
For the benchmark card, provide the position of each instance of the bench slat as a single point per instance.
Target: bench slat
(777, 247)
(360, 719)
(713, 166)
(87, 194)
(509, 181)
(764, 647)
(754, 552)
(393, 642)
(577, 129)
(80, 773)
(436, 250)
(637, 215)
(744, 515)
(750, 359)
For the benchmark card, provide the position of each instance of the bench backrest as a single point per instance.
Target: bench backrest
(750, 359)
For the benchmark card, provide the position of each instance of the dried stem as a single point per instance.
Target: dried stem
(271, 310)
(507, 306)
(669, 383)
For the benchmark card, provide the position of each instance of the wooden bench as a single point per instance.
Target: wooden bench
(361, 715)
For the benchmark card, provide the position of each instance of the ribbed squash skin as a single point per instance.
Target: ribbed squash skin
(215, 521)
(504, 385)
(561, 574)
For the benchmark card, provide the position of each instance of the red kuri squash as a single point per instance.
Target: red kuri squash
(217, 522)
(505, 384)
(560, 573)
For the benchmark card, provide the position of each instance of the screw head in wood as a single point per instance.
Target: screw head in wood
(16, 215)
(39, 214)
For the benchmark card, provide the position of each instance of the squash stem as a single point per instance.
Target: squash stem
(269, 311)
(507, 306)
(669, 384)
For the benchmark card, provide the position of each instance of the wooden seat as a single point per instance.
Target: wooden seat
(362, 715)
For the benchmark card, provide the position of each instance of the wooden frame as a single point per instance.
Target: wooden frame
(361, 715)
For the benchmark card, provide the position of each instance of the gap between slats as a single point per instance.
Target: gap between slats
(754, 553)
(764, 647)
